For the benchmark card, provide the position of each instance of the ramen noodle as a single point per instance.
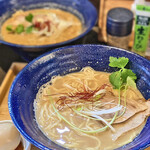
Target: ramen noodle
(41, 27)
(78, 111)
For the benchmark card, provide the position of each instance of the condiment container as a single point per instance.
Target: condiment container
(119, 27)
(142, 29)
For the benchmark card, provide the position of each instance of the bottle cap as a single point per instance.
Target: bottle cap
(119, 21)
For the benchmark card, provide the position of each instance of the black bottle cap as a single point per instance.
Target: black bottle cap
(119, 21)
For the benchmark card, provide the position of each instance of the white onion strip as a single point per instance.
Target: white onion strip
(100, 118)
(105, 111)
(99, 92)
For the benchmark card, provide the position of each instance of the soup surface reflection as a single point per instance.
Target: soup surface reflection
(81, 111)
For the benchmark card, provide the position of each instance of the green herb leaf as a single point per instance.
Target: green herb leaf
(115, 79)
(131, 82)
(19, 29)
(118, 62)
(127, 73)
(29, 29)
(9, 28)
(29, 18)
(119, 78)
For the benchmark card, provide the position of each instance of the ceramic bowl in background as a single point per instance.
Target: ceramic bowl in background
(83, 9)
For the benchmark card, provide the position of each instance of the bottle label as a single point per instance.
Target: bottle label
(142, 28)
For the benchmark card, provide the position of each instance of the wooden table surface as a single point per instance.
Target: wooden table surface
(4, 90)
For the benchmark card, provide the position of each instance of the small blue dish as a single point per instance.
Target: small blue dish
(83, 9)
(60, 62)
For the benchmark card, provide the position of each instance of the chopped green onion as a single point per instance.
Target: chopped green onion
(19, 29)
(9, 28)
(29, 29)
(97, 97)
(79, 108)
(29, 18)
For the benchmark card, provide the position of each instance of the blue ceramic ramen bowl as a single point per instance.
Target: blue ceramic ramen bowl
(83, 9)
(62, 61)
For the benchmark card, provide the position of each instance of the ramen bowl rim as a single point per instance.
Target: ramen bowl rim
(30, 139)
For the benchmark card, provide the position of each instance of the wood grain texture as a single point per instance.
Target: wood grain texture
(4, 91)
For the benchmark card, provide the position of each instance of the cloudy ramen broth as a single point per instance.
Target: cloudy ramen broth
(69, 97)
(41, 27)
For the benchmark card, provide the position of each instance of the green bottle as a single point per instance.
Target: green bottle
(142, 29)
